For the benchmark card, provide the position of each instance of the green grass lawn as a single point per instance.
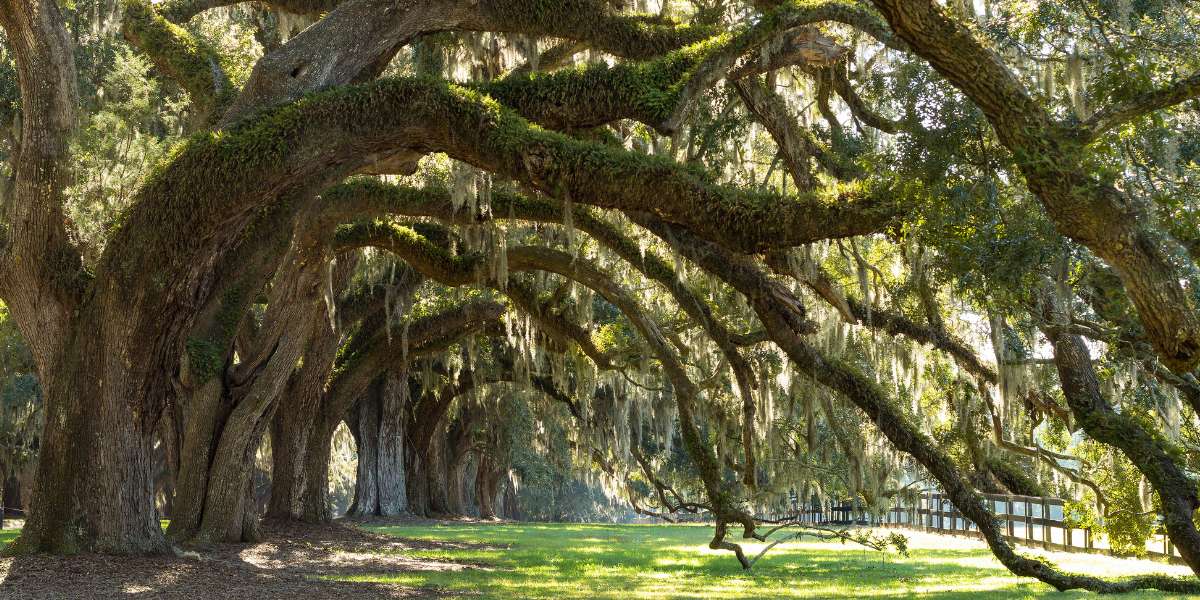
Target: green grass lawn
(673, 561)
(597, 562)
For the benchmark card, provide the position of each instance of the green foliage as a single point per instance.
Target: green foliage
(115, 146)
(205, 358)
(20, 402)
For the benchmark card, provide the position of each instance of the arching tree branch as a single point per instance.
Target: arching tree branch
(185, 58)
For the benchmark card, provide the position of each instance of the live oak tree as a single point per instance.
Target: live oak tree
(779, 210)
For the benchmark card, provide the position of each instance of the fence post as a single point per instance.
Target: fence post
(940, 519)
(1045, 525)
(1008, 513)
(1028, 522)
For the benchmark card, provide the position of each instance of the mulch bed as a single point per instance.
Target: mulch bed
(283, 565)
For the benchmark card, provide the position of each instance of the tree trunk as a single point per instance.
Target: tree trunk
(455, 490)
(485, 487)
(393, 493)
(209, 410)
(290, 431)
(94, 488)
(11, 496)
(435, 470)
(418, 483)
(231, 508)
(293, 428)
(366, 488)
(314, 504)
(459, 441)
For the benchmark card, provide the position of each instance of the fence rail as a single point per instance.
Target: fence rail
(1030, 521)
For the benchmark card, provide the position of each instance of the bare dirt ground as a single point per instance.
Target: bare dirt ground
(286, 564)
(414, 521)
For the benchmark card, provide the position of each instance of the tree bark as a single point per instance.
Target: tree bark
(418, 484)
(366, 486)
(393, 493)
(435, 469)
(486, 481)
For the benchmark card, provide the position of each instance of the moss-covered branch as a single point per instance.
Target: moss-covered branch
(1153, 455)
(361, 195)
(662, 92)
(182, 11)
(216, 177)
(1117, 114)
(366, 358)
(414, 246)
(184, 57)
(335, 50)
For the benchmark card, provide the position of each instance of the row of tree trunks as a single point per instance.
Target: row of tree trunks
(389, 466)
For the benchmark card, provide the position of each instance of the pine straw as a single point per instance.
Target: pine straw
(284, 565)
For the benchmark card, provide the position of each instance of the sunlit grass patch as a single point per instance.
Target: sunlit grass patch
(673, 561)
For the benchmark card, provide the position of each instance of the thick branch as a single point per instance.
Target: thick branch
(836, 76)
(182, 11)
(185, 58)
(333, 51)
(423, 336)
(1115, 115)
(436, 262)
(1144, 449)
(797, 146)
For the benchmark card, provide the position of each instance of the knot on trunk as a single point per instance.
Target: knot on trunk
(539, 163)
(793, 309)
(811, 47)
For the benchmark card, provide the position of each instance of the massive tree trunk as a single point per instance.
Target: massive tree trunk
(366, 425)
(93, 488)
(232, 410)
(393, 495)
(381, 488)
